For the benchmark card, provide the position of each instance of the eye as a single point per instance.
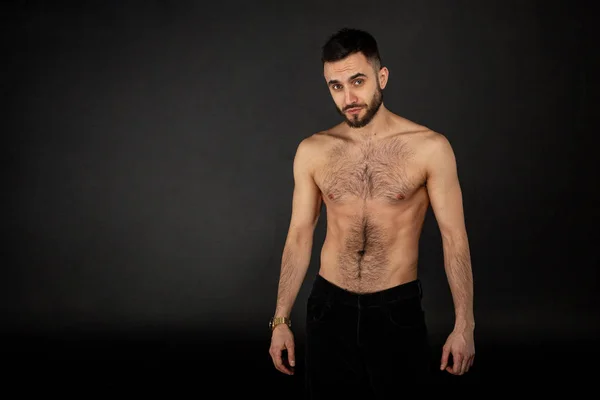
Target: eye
(358, 82)
(336, 87)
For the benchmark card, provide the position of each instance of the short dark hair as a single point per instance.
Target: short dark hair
(349, 41)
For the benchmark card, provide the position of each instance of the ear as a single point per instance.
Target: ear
(383, 76)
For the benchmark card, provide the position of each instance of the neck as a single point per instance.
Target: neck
(378, 125)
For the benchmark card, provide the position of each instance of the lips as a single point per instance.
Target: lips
(353, 110)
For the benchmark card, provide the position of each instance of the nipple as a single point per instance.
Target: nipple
(400, 196)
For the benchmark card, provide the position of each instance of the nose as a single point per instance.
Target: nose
(350, 97)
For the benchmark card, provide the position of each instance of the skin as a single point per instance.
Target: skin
(377, 182)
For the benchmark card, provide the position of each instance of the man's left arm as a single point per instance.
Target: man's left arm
(446, 201)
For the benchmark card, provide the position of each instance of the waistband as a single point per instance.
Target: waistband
(322, 288)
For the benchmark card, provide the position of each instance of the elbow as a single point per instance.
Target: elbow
(454, 238)
(301, 235)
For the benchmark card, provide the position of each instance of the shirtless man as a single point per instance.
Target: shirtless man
(377, 174)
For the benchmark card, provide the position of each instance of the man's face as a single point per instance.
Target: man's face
(356, 89)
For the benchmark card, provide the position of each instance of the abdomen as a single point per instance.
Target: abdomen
(368, 249)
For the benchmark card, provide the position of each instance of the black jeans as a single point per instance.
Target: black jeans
(365, 346)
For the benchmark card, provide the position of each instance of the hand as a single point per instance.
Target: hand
(462, 347)
(283, 339)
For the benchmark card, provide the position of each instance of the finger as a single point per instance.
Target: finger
(278, 362)
(291, 353)
(464, 366)
(456, 364)
(280, 365)
(445, 355)
(460, 365)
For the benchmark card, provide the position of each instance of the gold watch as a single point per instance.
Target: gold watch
(279, 320)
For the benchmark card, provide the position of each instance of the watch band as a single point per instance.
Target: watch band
(278, 321)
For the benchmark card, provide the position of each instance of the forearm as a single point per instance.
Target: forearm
(457, 263)
(294, 264)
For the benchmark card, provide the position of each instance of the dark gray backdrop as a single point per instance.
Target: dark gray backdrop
(149, 149)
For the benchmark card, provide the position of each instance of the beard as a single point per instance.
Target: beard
(354, 121)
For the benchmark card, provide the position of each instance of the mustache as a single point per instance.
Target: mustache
(354, 106)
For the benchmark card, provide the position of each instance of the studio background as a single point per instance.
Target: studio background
(148, 151)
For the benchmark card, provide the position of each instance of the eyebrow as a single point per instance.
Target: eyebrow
(360, 74)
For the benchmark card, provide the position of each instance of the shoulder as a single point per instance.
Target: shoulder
(317, 144)
(310, 151)
(437, 155)
(432, 150)
(432, 144)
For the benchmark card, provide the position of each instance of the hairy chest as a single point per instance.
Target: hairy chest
(386, 171)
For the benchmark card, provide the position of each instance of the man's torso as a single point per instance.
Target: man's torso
(376, 199)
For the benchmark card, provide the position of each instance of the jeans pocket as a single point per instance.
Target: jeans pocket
(317, 310)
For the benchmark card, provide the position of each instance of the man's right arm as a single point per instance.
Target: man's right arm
(306, 206)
